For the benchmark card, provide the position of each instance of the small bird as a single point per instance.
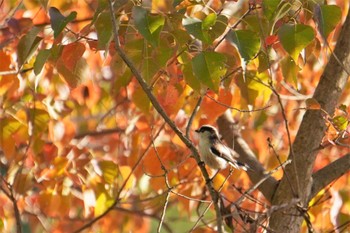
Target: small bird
(215, 153)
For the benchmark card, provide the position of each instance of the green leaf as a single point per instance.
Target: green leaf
(218, 28)
(252, 87)
(141, 100)
(194, 27)
(147, 58)
(27, 45)
(209, 21)
(295, 37)
(189, 77)
(40, 60)
(289, 70)
(209, 67)
(59, 21)
(264, 62)
(8, 127)
(247, 43)
(340, 122)
(327, 17)
(270, 8)
(41, 119)
(104, 30)
(109, 171)
(148, 25)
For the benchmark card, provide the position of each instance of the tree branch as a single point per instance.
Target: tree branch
(309, 136)
(163, 114)
(232, 137)
(329, 173)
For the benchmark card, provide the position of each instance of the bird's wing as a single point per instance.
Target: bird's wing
(228, 155)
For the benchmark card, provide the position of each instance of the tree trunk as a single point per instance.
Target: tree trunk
(293, 193)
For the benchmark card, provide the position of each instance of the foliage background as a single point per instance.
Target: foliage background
(81, 141)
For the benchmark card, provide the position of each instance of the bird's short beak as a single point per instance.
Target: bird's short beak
(197, 131)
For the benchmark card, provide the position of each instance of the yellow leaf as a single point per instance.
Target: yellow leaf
(218, 181)
(125, 172)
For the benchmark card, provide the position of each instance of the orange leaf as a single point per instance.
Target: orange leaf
(71, 54)
(214, 106)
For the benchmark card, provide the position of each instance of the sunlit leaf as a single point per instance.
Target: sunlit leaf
(253, 88)
(60, 165)
(327, 17)
(289, 70)
(103, 200)
(295, 37)
(41, 119)
(209, 67)
(109, 170)
(209, 21)
(27, 45)
(59, 21)
(340, 122)
(130, 179)
(148, 25)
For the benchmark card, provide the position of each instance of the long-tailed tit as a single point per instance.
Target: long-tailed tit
(214, 153)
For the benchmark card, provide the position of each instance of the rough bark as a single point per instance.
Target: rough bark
(293, 192)
(231, 135)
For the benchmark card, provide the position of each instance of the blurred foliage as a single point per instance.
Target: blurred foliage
(78, 134)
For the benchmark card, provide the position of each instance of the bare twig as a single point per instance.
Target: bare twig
(256, 185)
(9, 193)
(296, 192)
(195, 110)
(237, 109)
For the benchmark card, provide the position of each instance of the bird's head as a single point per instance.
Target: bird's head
(207, 131)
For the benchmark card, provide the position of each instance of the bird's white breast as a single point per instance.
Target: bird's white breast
(210, 159)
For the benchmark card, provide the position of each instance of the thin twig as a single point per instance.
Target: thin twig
(237, 109)
(167, 198)
(195, 110)
(235, 25)
(254, 187)
(297, 192)
(9, 193)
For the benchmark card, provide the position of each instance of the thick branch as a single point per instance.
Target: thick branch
(308, 138)
(329, 173)
(231, 135)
